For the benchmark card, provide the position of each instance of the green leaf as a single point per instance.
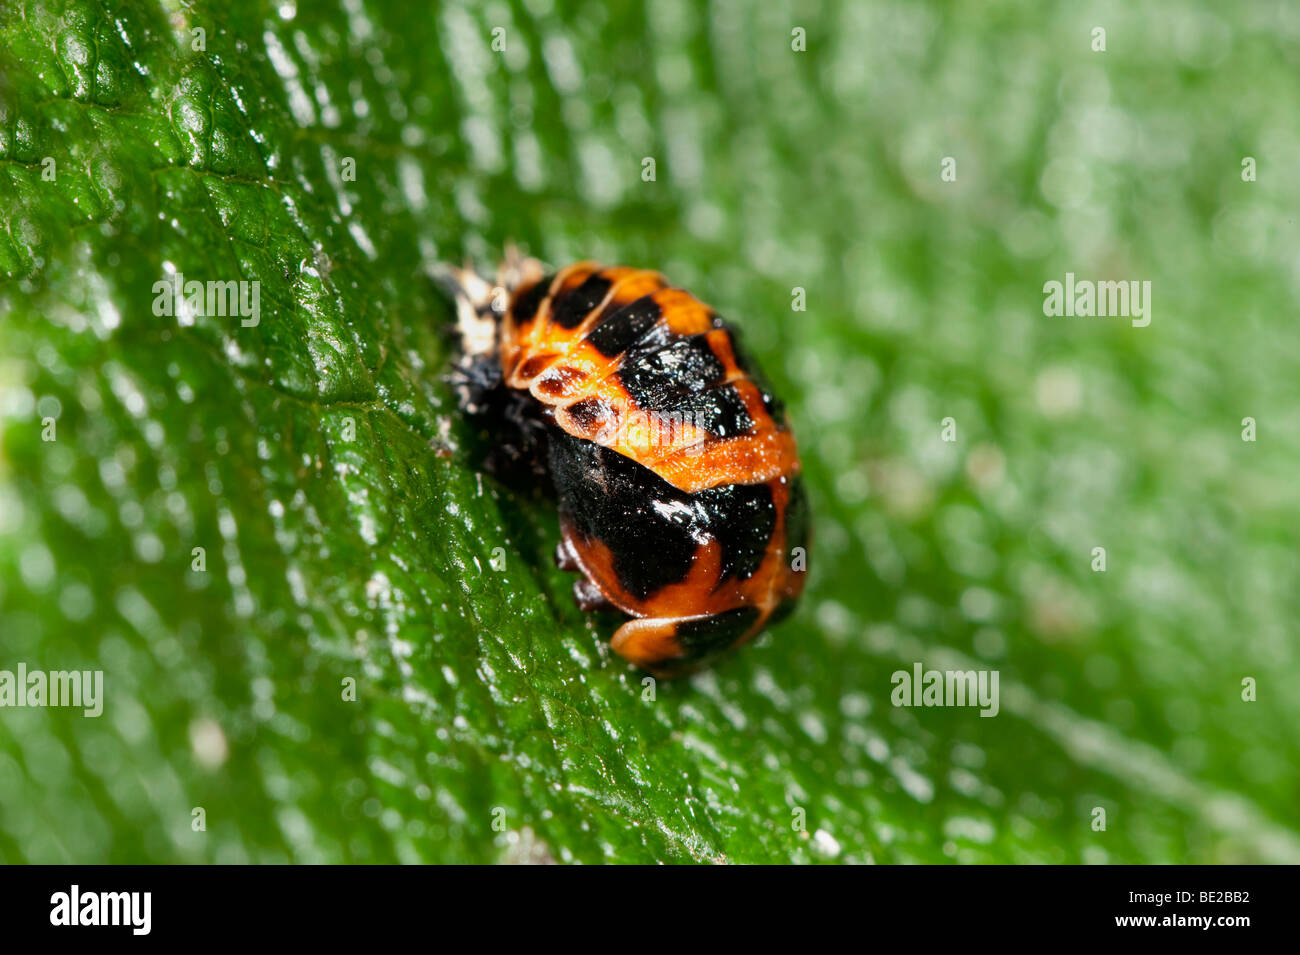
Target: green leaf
(318, 460)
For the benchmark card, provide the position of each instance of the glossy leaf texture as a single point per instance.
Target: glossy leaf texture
(378, 660)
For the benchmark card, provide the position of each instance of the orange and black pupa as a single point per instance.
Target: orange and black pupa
(675, 467)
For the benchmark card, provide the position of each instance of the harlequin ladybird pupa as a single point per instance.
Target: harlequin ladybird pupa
(675, 467)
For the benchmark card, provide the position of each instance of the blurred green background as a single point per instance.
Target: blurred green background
(319, 461)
